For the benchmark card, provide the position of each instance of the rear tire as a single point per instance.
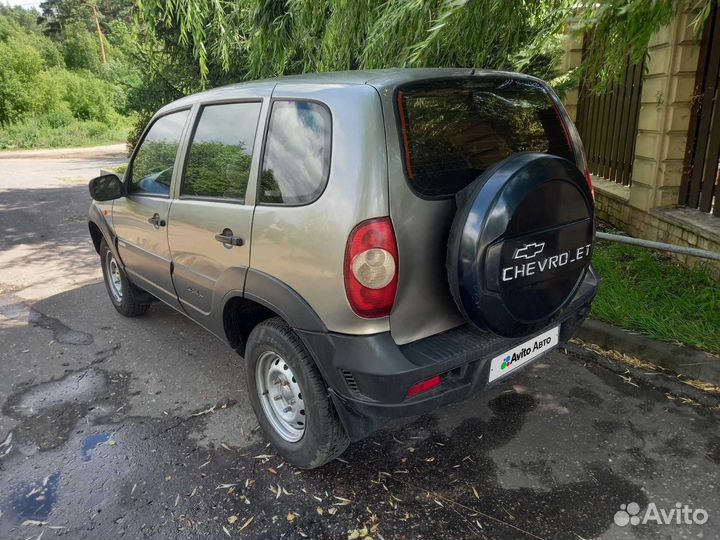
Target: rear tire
(125, 296)
(289, 397)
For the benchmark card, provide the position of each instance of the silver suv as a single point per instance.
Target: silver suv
(375, 244)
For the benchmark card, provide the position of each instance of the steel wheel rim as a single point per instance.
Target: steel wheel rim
(112, 276)
(281, 396)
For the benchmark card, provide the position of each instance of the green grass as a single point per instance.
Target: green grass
(647, 292)
(38, 133)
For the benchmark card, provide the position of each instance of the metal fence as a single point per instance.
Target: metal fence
(700, 187)
(608, 125)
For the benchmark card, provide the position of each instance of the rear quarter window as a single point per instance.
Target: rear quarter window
(453, 130)
(296, 159)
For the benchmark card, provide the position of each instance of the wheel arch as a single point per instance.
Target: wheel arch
(96, 235)
(265, 297)
(99, 228)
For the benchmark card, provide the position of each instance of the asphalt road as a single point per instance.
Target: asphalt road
(134, 428)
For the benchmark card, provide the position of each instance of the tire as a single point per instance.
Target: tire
(520, 244)
(125, 296)
(310, 433)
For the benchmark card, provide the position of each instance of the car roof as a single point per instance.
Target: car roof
(379, 78)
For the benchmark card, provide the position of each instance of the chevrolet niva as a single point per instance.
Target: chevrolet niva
(375, 244)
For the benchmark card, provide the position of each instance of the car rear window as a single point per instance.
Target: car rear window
(453, 130)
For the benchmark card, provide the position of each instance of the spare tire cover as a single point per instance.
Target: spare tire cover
(520, 243)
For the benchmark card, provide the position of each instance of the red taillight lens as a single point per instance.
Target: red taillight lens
(371, 268)
(589, 181)
(424, 386)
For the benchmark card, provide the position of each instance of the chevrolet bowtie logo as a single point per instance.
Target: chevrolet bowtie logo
(529, 251)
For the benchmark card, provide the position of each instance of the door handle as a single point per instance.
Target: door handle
(156, 221)
(229, 239)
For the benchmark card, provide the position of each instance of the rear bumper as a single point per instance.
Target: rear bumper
(369, 376)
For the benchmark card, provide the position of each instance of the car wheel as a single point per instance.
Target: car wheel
(124, 295)
(290, 398)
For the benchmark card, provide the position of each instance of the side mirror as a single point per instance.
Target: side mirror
(106, 187)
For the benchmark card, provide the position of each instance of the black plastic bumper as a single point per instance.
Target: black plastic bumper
(369, 376)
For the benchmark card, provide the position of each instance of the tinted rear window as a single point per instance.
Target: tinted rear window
(453, 130)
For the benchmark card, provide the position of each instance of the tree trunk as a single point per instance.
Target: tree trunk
(100, 34)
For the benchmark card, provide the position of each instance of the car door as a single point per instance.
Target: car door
(140, 219)
(211, 219)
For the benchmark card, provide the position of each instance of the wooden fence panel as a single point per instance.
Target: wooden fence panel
(608, 125)
(700, 186)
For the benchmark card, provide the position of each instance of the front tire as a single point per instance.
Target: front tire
(124, 296)
(289, 397)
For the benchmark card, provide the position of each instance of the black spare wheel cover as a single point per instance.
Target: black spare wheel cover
(520, 243)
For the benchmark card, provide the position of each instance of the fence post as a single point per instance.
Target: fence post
(665, 108)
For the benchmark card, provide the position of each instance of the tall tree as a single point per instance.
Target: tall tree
(257, 38)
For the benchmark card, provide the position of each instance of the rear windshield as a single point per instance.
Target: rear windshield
(453, 130)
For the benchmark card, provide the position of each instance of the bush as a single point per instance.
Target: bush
(38, 132)
(55, 92)
(50, 51)
(60, 116)
(80, 92)
(19, 65)
(82, 50)
(89, 98)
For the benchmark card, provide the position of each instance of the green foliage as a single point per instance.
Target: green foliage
(53, 131)
(50, 51)
(256, 38)
(82, 49)
(217, 170)
(261, 38)
(50, 84)
(87, 97)
(57, 15)
(18, 17)
(19, 65)
(647, 292)
(52, 65)
(617, 28)
(155, 157)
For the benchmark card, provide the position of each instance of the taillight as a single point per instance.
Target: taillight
(590, 185)
(371, 268)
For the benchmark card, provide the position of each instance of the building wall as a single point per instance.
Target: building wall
(664, 115)
(648, 207)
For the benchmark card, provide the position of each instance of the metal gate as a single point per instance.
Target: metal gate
(700, 187)
(608, 124)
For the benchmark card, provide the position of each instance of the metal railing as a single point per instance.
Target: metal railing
(662, 246)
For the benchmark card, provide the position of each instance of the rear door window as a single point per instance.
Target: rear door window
(296, 162)
(218, 163)
(453, 130)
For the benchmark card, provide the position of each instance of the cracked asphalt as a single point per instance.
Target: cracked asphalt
(130, 428)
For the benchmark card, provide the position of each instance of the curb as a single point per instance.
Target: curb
(664, 381)
(684, 360)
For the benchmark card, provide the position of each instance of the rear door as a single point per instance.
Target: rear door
(442, 134)
(140, 219)
(211, 217)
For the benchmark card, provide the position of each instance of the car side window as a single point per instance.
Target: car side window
(218, 164)
(152, 167)
(296, 160)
